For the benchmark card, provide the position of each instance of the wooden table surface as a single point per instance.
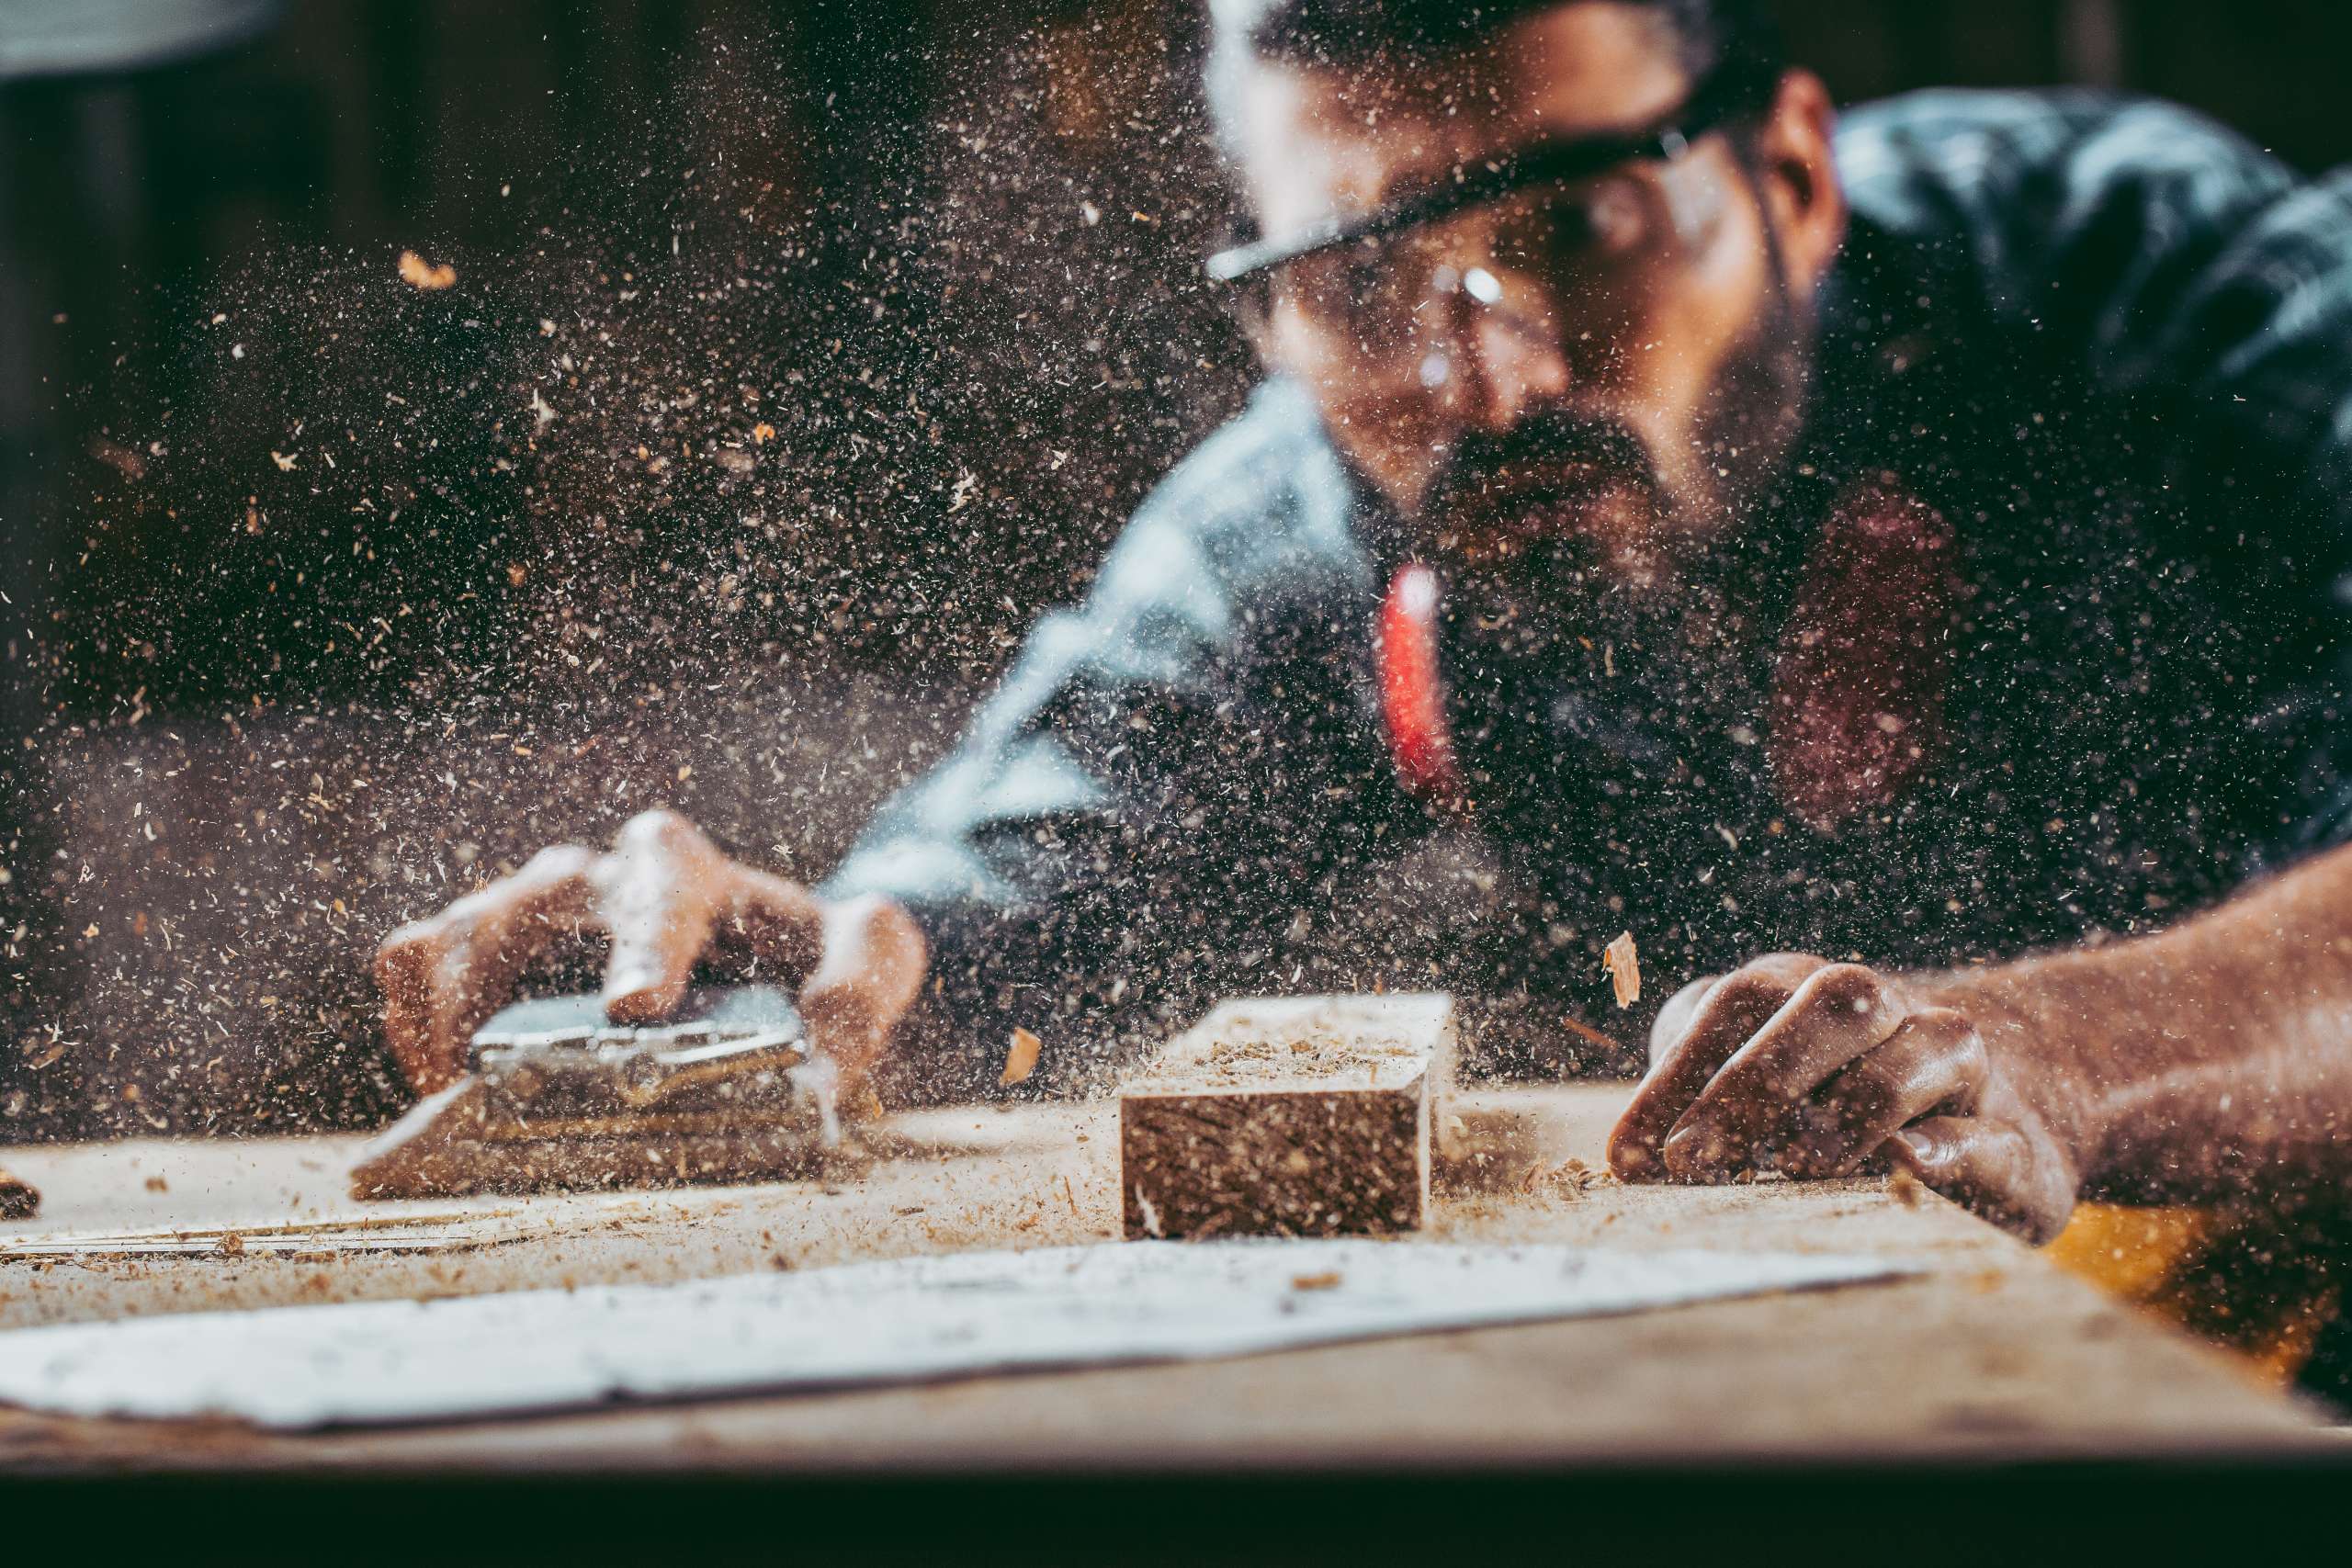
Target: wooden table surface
(1992, 1354)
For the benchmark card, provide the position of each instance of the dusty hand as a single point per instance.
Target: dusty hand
(664, 895)
(1814, 1069)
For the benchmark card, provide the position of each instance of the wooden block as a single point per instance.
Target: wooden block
(1296, 1116)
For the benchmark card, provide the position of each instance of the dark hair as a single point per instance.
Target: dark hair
(1741, 34)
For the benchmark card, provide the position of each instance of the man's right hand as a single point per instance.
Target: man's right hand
(665, 897)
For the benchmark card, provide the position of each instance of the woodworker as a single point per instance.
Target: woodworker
(1893, 565)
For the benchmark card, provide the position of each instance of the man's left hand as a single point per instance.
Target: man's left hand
(1817, 1069)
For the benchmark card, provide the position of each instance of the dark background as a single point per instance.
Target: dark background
(797, 357)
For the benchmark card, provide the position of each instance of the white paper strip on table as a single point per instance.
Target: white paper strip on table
(905, 1320)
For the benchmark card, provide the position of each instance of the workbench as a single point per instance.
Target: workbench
(1991, 1357)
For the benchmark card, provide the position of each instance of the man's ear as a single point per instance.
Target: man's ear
(1796, 168)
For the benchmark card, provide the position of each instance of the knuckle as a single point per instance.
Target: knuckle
(403, 945)
(659, 827)
(1946, 1035)
(859, 909)
(885, 920)
(558, 860)
(1846, 974)
(1970, 1055)
(1675, 1017)
(1850, 986)
(1944, 1024)
(1789, 970)
(1748, 990)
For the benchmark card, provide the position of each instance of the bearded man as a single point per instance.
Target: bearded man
(1890, 566)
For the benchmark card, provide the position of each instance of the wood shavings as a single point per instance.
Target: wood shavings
(1020, 1057)
(418, 273)
(1625, 967)
(1588, 1035)
(1567, 1182)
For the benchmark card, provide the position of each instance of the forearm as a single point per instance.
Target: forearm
(2203, 1063)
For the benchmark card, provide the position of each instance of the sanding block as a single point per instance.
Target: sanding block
(557, 1097)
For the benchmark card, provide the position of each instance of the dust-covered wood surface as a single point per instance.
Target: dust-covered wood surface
(1992, 1354)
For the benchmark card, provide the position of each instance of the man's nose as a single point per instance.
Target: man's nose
(1500, 358)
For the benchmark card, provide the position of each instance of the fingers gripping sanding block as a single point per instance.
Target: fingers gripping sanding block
(727, 1089)
(1290, 1116)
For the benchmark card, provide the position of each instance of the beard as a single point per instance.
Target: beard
(1591, 609)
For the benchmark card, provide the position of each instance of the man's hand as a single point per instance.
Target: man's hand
(1815, 1069)
(664, 895)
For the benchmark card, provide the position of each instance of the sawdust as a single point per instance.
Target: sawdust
(1566, 1182)
(1332, 1044)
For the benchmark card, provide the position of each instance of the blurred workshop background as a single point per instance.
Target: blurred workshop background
(788, 359)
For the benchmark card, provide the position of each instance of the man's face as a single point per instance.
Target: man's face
(1611, 368)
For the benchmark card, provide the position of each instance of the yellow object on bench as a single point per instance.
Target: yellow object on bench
(2247, 1280)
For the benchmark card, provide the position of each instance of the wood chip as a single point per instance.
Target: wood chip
(1625, 967)
(418, 273)
(1020, 1057)
(1590, 1035)
(1330, 1281)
